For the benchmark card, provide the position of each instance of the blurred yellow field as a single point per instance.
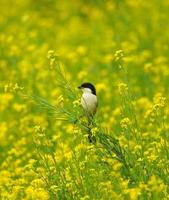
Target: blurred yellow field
(47, 49)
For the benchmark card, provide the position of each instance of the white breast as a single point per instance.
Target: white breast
(89, 103)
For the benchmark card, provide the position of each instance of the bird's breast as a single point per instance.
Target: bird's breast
(89, 102)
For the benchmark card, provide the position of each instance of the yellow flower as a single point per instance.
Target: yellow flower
(51, 54)
(148, 67)
(119, 54)
(76, 103)
(101, 87)
(134, 193)
(37, 183)
(123, 88)
(86, 197)
(55, 188)
(36, 193)
(94, 130)
(81, 50)
(82, 74)
(5, 177)
(108, 58)
(19, 107)
(125, 123)
(16, 87)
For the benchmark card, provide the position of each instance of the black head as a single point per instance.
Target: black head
(90, 86)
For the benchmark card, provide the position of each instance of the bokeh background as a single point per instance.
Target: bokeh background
(86, 35)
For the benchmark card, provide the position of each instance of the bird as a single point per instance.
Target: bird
(89, 103)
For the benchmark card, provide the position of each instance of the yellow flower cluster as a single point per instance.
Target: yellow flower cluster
(44, 134)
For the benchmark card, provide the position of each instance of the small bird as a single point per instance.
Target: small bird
(89, 103)
(89, 99)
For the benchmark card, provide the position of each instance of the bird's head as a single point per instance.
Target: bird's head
(88, 88)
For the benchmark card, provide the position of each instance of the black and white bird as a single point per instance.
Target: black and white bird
(89, 99)
(89, 104)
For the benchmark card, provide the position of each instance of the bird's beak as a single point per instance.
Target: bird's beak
(80, 87)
